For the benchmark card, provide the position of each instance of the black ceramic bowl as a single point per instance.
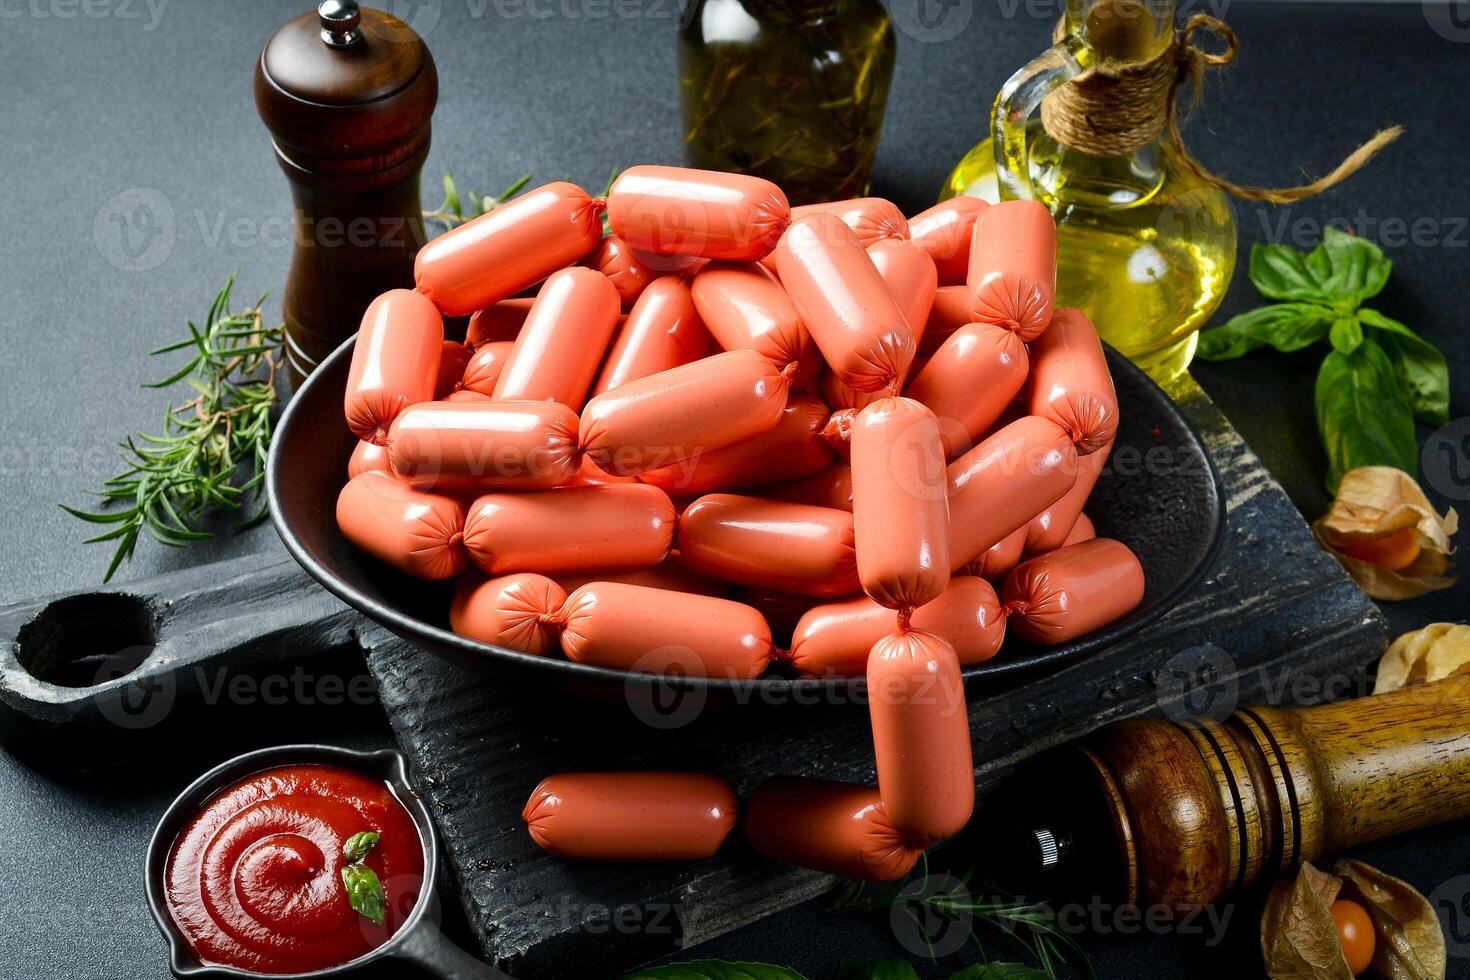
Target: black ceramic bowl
(1160, 495)
(419, 941)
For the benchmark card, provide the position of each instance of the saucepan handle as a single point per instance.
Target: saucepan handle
(431, 951)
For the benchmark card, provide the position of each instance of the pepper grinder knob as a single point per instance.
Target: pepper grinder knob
(339, 20)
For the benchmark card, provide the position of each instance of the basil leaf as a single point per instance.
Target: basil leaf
(1356, 268)
(1420, 366)
(1281, 272)
(1284, 326)
(890, 969)
(715, 970)
(364, 891)
(1346, 334)
(357, 846)
(1001, 971)
(1363, 415)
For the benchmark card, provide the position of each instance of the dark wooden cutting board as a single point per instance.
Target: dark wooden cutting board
(1275, 615)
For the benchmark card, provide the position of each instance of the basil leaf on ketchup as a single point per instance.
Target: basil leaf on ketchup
(358, 845)
(364, 891)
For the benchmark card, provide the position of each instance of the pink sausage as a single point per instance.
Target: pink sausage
(454, 357)
(838, 431)
(505, 250)
(921, 734)
(484, 445)
(682, 412)
(630, 816)
(483, 372)
(671, 575)
(769, 544)
(944, 231)
(1072, 591)
(1004, 482)
(831, 487)
(845, 303)
(745, 309)
(900, 506)
(909, 273)
(521, 612)
(872, 219)
(793, 449)
(1013, 267)
(617, 526)
(498, 322)
(1050, 529)
(1070, 382)
(563, 340)
(367, 456)
(833, 640)
(1081, 531)
(678, 211)
(951, 311)
(395, 362)
(617, 260)
(630, 627)
(828, 826)
(970, 382)
(996, 562)
(418, 533)
(663, 331)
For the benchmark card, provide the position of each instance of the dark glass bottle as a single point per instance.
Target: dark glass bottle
(789, 90)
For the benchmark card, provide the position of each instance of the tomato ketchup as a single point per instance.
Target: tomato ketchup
(254, 881)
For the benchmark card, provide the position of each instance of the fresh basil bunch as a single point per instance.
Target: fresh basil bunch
(1379, 376)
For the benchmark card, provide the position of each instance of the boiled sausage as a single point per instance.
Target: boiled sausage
(521, 611)
(944, 231)
(745, 309)
(1004, 482)
(563, 340)
(1050, 529)
(1070, 383)
(837, 828)
(497, 322)
(1013, 267)
(678, 211)
(572, 529)
(1072, 591)
(970, 382)
(395, 362)
(617, 260)
(663, 331)
(630, 816)
(483, 445)
(770, 544)
(483, 372)
(418, 533)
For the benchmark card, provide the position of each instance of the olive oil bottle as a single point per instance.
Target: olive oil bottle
(1144, 247)
(790, 90)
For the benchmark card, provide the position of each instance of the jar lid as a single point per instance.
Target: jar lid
(344, 87)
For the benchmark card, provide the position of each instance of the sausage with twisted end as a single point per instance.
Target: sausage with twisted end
(454, 357)
(828, 826)
(1013, 267)
(900, 503)
(996, 562)
(1050, 529)
(621, 525)
(833, 640)
(630, 816)
(1070, 383)
(682, 412)
(845, 304)
(704, 213)
(509, 248)
(745, 309)
(921, 734)
(367, 456)
(497, 322)
(1005, 481)
(521, 611)
(395, 362)
(563, 340)
(619, 261)
(631, 627)
(770, 544)
(483, 372)
(944, 231)
(418, 533)
(1072, 591)
(484, 445)
(970, 382)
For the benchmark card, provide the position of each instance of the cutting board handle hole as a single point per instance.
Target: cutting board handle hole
(89, 639)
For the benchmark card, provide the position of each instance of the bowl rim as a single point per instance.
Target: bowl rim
(793, 689)
(387, 764)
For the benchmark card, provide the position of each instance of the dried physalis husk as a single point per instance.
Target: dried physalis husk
(1437, 651)
(1410, 944)
(1386, 534)
(1298, 937)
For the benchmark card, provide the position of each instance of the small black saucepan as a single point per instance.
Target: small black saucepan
(1163, 498)
(418, 942)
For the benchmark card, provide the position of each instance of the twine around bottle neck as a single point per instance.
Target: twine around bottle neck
(1116, 107)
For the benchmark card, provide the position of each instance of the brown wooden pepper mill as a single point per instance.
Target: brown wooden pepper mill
(1150, 812)
(347, 95)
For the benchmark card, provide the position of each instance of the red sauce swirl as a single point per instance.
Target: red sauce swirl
(254, 881)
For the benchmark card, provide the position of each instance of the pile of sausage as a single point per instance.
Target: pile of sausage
(854, 421)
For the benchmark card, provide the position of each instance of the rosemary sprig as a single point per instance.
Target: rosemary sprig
(212, 450)
(1032, 925)
(451, 212)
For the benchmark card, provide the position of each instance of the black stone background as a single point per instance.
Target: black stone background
(102, 97)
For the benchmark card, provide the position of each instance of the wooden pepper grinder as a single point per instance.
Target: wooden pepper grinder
(1150, 812)
(347, 95)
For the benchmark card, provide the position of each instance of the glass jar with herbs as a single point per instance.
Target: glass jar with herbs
(789, 90)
